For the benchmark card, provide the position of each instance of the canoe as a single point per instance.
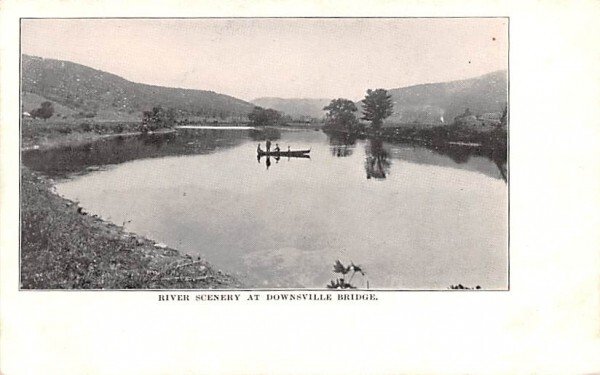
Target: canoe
(284, 153)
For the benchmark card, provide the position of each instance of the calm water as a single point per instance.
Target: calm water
(412, 217)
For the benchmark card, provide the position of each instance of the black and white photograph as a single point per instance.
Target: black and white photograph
(265, 153)
(299, 187)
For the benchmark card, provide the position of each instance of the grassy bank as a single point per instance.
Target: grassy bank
(39, 134)
(432, 136)
(496, 138)
(64, 247)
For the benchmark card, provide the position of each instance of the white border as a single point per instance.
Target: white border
(547, 323)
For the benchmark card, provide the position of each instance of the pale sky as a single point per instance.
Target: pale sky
(290, 58)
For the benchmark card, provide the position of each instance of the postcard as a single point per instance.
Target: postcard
(283, 191)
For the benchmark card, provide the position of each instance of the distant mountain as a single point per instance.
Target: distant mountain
(426, 104)
(79, 91)
(84, 90)
(296, 108)
(437, 103)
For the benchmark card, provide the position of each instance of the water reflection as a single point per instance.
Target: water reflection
(461, 154)
(61, 162)
(264, 134)
(342, 144)
(81, 158)
(502, 168)
(455, 155)
(208, 196)
(377, 161)
(278, 158)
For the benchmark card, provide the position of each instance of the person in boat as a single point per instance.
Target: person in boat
(289, 149)
(277, 149)
(268, 145)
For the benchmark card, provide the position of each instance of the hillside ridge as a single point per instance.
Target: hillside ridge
(87, 90)
(427, 103)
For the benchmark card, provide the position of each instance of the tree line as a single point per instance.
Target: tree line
(377, 106)
(268, 117)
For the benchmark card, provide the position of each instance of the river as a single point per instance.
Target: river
(411, 217)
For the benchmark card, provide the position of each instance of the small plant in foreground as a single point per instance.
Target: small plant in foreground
(462, 287)
(341, 283)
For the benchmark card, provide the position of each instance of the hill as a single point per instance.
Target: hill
(426, 104)
(440, 103)
(296, 108)
(82, 91)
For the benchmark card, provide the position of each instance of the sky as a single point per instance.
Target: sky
(289, 58)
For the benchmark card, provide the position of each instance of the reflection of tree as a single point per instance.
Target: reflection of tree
(60, 162)
(341, 151)
(155, 140)
(342, 144)
(499, 158)
(377, 163)
(502, 168)
(461, 154)
(264, 134)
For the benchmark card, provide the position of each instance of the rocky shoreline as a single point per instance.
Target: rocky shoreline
(64, 247)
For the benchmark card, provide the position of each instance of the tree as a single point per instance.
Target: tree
(158, 118)
(340, 114)
(504, 118)
(377, 106)
(45, 111)
(463, 118)
(264, 117)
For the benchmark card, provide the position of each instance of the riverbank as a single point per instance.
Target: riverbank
(64, 247)
(495, 139)
(39, 135)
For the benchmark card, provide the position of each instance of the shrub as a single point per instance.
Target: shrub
(119, 128)
(45, 111)
(65, 130)
(85, 127)
(158, 118)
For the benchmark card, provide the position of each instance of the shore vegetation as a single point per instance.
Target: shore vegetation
(64, 247)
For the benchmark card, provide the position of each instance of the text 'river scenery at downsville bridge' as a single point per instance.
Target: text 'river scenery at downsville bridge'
(321, 154)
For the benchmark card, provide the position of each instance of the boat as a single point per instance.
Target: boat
(291, 153)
